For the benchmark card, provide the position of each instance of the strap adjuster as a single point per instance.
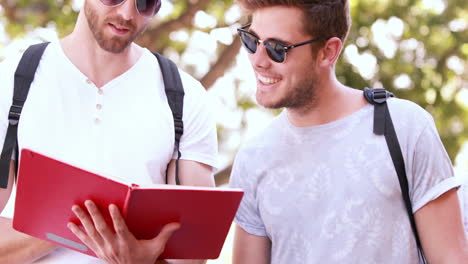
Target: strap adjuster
(178, 127)
(377, 95)
(14, 114)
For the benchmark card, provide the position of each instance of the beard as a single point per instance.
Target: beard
(113, 44)
(301, 96)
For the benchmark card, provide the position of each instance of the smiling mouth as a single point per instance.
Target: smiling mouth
(118, 28)
(267, 80)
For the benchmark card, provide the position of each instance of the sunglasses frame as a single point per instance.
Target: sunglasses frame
(136, 7)
(243, 30)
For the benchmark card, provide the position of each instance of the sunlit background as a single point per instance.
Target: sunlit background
(390, 40)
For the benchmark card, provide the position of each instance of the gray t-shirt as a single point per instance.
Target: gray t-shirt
(330, 193)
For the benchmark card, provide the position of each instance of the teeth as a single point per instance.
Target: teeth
(266, 80)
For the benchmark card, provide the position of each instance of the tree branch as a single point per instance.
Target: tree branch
(18, 14)
(151, 37)
(9, 10)
(225, 61)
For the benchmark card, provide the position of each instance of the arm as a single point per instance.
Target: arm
(16, 247)
(5, 193)
(441, 231)
(191, 173)
(250, 249)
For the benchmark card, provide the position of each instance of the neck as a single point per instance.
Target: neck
(99, 65)
(333, 101)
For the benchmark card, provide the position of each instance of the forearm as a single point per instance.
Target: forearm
(441, 230)
(16, 247)
(456, 257)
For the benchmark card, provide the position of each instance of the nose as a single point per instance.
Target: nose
(260, 58)
(127, 10)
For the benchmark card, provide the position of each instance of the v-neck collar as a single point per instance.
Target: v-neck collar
(72, 67)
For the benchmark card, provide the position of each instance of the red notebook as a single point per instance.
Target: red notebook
(48, 188)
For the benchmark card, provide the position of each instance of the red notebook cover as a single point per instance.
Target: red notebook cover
(48, 188)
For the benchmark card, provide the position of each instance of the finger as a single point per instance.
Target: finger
(80, 234)
(166, 233)
(99, 224)
(90, 243)
(120, 226)
(86, 223)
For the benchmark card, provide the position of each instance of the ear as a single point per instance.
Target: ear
(330, 52)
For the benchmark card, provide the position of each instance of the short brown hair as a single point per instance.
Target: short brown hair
(322, 18)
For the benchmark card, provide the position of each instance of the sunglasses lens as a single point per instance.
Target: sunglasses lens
(111, 2)
(249, 41)
(275, 50)
(148, 7)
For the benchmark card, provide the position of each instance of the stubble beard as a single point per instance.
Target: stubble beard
(113, 44)
(301, 96)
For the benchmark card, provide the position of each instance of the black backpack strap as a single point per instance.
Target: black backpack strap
(383, 125)
(175, 97)
(24, 76)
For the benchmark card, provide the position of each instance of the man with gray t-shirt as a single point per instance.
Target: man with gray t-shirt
(320, 186)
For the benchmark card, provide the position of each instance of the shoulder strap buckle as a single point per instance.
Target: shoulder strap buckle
(377, 95)
(14, 114)
(179, 129)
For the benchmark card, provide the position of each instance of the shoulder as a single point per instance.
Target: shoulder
(7, 72)
(409, 115)
(191, 85)
(406, 107)
(403, 107)
(263, 140)
(254, 154)
(9, 63)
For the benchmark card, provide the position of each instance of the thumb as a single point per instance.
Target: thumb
(166, 232)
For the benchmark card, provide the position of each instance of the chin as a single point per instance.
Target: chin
(267, 103)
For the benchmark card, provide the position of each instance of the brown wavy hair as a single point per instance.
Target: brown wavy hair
(322, 18)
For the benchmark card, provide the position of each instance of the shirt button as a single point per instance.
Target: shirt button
(100, 91)
(97, 121)
(98, 106)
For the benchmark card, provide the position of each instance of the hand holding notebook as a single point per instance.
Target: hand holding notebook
(120, 244)
(48, 188)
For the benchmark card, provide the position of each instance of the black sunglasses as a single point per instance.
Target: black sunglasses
(276, 50)
(146, 8)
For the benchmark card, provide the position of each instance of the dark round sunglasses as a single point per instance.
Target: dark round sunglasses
(146, 8)
(276, 50)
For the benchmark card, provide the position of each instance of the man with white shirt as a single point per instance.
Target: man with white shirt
(98, 101)
(319, 184)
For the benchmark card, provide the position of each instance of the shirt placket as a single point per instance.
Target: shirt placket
(96, 119)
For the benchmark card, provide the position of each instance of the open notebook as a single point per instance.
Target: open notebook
(48, 188)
